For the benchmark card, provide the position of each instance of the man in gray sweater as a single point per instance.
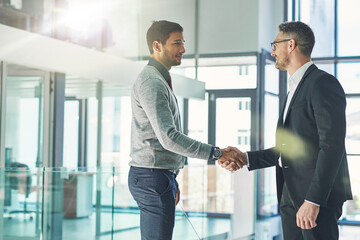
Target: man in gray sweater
(158, 146)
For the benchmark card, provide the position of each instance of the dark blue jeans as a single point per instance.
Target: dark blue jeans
(154, 190)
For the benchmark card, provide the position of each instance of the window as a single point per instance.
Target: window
(319, 15)
(349, 77)
(348, 21)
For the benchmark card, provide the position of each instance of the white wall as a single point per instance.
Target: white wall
(225, 26)
(228, 26)
(271, 14)
(182, 12)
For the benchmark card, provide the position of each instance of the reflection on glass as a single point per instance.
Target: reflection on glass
(349, 76)
(320, 17)
(348, 20)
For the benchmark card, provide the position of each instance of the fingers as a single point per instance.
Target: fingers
(230, 148)
(231, 166)
(223, 164)
(237, 156)
(232, 159)
(306, 216)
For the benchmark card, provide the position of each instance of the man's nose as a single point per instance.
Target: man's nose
(182, 50)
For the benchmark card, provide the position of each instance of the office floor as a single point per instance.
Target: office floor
(126, 227)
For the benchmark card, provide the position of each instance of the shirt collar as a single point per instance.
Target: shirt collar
(164, 72)
(295, 79)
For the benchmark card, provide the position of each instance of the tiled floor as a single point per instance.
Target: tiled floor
(126, 227)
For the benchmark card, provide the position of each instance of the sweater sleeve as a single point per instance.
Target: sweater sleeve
(154, 99)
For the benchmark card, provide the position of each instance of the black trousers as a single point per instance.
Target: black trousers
(327, 226)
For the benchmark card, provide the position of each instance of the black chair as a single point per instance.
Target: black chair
(20, 179)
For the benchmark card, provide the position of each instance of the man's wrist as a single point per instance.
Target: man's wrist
(211, 153)
(312, 203)
(217, 154)
(247, 159)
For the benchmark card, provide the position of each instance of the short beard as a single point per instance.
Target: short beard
(283, 65)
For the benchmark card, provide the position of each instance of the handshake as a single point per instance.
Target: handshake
(232, 159)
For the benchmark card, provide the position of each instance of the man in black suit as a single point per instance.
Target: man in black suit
(310, 157)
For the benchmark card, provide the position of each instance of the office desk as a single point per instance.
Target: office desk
(78, 195)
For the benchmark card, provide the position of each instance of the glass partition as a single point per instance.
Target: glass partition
(82, 204)
(21, 202)
(24, 114)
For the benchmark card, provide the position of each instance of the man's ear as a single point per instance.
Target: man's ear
(292, 45)
(157, 46)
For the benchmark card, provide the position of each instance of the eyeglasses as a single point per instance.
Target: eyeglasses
(273, 46)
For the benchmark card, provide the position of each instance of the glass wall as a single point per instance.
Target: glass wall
(24, 116)
(68, 194)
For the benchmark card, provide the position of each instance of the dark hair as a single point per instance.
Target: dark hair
(160, 31)
(303, 35)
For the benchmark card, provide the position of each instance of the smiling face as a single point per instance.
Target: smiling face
(281, 52)
(171, 52)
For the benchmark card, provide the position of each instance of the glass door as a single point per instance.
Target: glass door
(233, 116)
(24, 150)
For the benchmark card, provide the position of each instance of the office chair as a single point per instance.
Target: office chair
(20, 179)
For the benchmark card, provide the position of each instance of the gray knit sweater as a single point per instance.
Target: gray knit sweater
(156, 137)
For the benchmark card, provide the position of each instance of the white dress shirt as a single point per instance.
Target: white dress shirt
(293, 83)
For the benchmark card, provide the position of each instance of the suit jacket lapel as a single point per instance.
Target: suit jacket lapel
(281, 119)
(312, 67)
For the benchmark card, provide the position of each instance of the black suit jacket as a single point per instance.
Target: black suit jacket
(311, 143)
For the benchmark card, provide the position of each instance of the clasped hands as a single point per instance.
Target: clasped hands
(232, 159)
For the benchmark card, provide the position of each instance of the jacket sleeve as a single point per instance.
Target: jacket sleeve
(329, 102)
(263, 158)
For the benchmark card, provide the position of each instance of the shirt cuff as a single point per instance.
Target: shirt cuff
(312, 203)
(248, 162)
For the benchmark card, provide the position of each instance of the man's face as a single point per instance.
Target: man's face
(172, 50)
(281, 52)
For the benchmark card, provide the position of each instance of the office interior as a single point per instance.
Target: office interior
(66, 70)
